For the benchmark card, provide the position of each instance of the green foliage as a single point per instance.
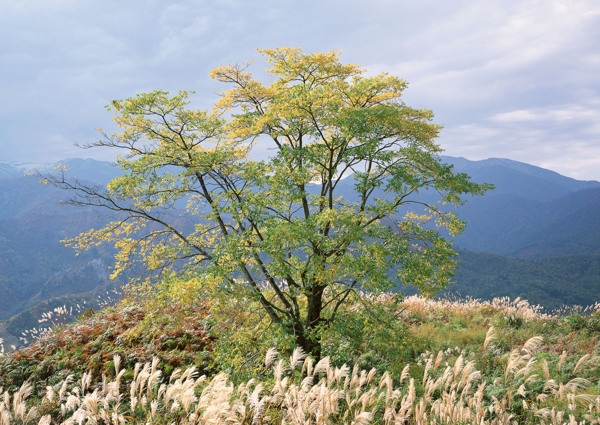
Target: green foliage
(368, 334)
(461, 371)
(578, 321)
(282, 224)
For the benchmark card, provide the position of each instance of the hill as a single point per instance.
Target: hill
(37, 272)
(464, 362)
(533, 214)
(519, 179)
(526, 228)
(551, 282)
(85, 169)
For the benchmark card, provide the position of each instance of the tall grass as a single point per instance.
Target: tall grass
(449, 389)
(525, 382)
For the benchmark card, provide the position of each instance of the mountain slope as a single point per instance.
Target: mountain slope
(551, 282)
(571, 226)
(35, 266)
(533, 213)
(517, 178)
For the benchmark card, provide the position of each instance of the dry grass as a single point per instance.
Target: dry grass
(528, 384)
(450, 390)
(517, 308)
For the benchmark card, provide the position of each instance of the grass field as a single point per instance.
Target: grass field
(466, 362)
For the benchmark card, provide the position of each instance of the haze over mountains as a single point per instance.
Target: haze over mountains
(531, 213)
(537, 235)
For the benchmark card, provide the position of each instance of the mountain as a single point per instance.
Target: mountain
(35, 266)
(509, 225)
(77, 168)
(9, 171)
(519, 179)
(551, 282)
(537, 235)
(531, 213)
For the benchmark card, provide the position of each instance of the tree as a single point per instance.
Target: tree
(281, 226)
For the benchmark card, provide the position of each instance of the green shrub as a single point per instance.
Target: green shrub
(576, 322)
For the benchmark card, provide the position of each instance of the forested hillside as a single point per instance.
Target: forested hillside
(531, 213)
(37, 271)
(550, 222)
(552, 282)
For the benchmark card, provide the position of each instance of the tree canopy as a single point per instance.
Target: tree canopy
(281, 226)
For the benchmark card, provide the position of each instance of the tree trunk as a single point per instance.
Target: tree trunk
(307, 336)
(311, 344)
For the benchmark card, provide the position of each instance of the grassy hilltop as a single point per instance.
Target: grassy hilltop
(459, 362)
(302, 251)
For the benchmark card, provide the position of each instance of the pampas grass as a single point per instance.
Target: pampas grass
(525, 381)
(296, 391)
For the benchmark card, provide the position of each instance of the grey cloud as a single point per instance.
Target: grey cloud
(480, 66)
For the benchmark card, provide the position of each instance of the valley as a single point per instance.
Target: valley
(536, 236)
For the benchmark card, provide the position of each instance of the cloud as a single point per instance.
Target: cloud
(513, 80)
(561, 137)
(582, 114)
(493, 72)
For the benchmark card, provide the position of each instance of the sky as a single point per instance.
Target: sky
(507, 79)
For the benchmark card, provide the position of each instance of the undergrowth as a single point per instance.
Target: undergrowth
(461, 362)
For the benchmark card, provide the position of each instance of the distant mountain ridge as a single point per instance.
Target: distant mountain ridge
(517, 178)
(533, 214)
(529, 206)
(85, 169)
(531, 211)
